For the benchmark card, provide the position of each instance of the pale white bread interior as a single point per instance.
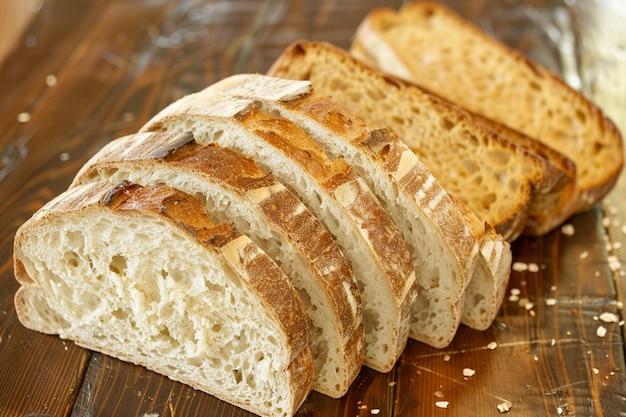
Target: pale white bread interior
(143, 274)
(403, 185)
(235, 190)
(434, 47)
(443, 246)
(495, 178)
(344, 204)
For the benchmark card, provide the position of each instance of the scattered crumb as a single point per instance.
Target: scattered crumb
(609, 317)
(438, 394)
(467, 372)
(584, 254)
(51, 80)
(606, 222)
(596, 371)
(505, 406)
(492, 345)
(375, 411)
(553, 342)
(624, 229)
(551, 301)
(128, 117)
(392, 383)
(601, 331)
(446, 358)
(617, 245)
(520, 266)
(23, 117)
(442, 404)
(533, 267)
(151, 415)
(560, 410)
(614, 263)
(568, 229)
(64, 156)
(620, 305)
(515, 292)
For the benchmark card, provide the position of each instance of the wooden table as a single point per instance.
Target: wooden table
(85, 72)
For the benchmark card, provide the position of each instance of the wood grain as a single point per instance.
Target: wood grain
(100, 69)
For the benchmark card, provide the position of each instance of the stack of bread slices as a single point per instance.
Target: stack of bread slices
(272, 234)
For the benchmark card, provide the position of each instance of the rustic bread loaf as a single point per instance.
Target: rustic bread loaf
(429, 221)
(432, 46)
(143, 274)
(235, 190)
(495, 178)
(362, 228)
(425, 214)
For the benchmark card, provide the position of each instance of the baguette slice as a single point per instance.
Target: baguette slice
(432, 46)
(344, 204)
(235, 190)
(494, 177)
(144, 275)
(425, 214)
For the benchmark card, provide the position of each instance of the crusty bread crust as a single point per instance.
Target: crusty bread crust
(255, 201)
(490, 277)
(364, 230)
(385, 163)
(38, 306)
(501, 194)
(502, 81)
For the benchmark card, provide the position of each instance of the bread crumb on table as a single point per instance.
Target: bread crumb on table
(504, 406)
(608, 317)
(23, 117)
(442, 404)
(568, 229)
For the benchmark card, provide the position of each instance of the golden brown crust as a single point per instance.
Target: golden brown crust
(336, 175)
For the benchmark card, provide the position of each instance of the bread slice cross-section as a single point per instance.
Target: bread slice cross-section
(144, 275)
(494, 177)
(235, 190)
(341, 200)
(429, 44)
(429, 220)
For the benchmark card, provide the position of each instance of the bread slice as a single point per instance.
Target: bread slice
(425, 214)
(432, 46)
(495, 178)
(143, 274)
(556, 201)
(380, 260)
(235, 190)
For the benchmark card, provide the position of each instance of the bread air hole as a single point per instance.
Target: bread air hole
(118, 265)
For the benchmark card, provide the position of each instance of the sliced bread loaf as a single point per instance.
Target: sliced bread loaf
(143, 274)
(495, 178)
(434, 47)
(428, 219)
(362, 228)
(235, 190)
